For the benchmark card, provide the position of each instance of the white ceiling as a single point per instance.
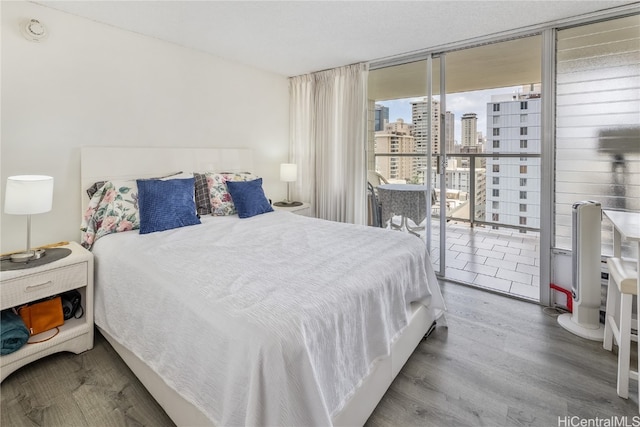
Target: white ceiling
(297, 37)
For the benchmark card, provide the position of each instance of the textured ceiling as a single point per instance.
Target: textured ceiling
(297, 37)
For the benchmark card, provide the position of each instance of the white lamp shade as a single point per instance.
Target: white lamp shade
(288, 172)
(28, 194)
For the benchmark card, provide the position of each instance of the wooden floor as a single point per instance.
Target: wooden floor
(500, 362)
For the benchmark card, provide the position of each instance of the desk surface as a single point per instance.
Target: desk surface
(627, 223)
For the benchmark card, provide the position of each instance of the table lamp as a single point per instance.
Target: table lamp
(288, 173)
(28, 195)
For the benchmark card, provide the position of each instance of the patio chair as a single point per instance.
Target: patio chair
(374, 179)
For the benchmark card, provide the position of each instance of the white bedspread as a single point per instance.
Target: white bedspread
(271, 320)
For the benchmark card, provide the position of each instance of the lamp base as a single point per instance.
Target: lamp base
(27, 255)
(286, 204)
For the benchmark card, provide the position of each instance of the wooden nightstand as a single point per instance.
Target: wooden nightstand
(304, 209)
(18, 287)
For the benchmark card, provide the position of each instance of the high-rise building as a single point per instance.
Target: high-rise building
(449, 123)
(419, 117)
(381, 117)
(469, 134)
(395, 138)
(513, 183)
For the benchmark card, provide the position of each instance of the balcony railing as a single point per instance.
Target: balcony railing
(510, 198)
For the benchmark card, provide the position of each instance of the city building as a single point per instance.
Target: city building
(472, 139)
(419, 118)
(513, 183)
(381, 117)
(469, 134)
(458, 184)
(397, 137)
(449, 123)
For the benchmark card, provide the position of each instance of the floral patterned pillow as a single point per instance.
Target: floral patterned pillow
(113, 208)
(221, 202)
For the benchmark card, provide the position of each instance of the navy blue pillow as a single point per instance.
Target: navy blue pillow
(164, 205)
(248, 198)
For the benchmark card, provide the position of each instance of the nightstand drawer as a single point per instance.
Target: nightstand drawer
(40, 285)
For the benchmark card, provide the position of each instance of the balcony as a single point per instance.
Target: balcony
(503, 260)
(492, 232)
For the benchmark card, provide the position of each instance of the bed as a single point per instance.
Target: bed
(271, 319)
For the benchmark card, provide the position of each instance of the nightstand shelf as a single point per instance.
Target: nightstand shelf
(18, 287)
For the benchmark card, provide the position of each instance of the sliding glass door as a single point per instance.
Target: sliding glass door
(466, 124)
(404, 150)
(502, 134)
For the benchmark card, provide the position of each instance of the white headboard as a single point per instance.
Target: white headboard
(107, 163)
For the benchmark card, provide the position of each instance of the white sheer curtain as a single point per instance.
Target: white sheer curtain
(328, 130)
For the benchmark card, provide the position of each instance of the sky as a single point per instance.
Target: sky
(457, 103)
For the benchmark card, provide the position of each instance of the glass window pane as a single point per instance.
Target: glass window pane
(597, 122)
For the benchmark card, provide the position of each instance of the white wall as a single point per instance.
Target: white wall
(92, 84)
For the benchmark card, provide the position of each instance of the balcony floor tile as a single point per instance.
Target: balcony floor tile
(520, 259)
(471, 258)
(495, 262)
(463, 249)
(481, 269)
(490, 253)
(505, 260)
(515, 276)
(529, 269)
(507, 250)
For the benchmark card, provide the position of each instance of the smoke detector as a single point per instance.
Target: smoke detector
(33, 30)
